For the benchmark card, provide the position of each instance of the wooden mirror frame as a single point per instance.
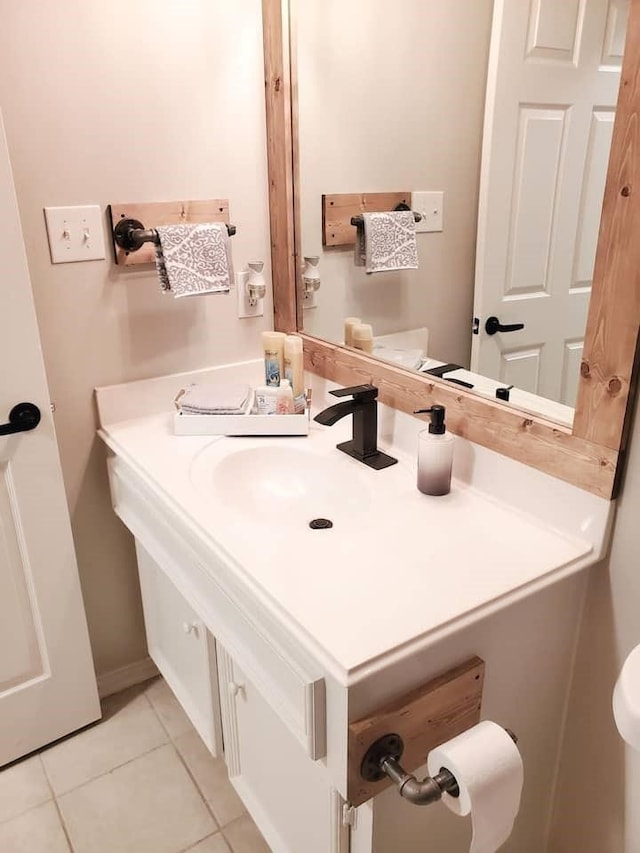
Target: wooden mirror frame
(589, 454)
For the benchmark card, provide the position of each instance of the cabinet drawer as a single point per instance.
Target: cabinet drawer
(181, 648)
(288, 680)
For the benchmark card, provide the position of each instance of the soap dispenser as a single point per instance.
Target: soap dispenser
(435, 454)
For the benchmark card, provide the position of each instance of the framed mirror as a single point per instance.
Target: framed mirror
(585, 452)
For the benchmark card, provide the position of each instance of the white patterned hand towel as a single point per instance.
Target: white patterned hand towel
(194, 258)
(387, 242)
(215, 399)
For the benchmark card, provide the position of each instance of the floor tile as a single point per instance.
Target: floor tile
(244, 837)
(167, 707)
(212, 844)
(22, 787)
(211, 777)
(147, 806)
(129, 729)
(37, 831)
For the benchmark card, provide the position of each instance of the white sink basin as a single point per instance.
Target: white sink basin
(280, 484)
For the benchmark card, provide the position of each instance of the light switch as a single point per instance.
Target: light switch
(430, 205)
(75, 233)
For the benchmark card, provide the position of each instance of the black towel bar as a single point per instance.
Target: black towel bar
(131, 235)
(358, 221)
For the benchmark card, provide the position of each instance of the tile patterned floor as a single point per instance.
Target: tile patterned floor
(140, 781)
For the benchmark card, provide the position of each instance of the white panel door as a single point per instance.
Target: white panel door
(554, 73)
(47, 682)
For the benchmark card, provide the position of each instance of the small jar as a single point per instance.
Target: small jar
(362, 336)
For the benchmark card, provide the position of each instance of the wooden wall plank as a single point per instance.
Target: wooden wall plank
(424, 718)
(277, 81)
(338, 208)
(155, 213)
(523, 437)
(606, 371)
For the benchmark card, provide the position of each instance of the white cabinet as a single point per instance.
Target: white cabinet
(182, 649)
(289, 796)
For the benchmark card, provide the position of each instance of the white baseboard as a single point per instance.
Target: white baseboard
(126, 676)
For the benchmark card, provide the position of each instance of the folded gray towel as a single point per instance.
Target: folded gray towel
(387, 242)
(215, 399)
(194, 258)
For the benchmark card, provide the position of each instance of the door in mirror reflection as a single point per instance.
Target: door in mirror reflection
(552, 87)
(392, 99)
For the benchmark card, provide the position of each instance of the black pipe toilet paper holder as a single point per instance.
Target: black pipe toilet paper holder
(383, 759)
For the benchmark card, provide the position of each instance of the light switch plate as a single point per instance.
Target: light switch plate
(75, 233)
(245, 309)
(431, 207)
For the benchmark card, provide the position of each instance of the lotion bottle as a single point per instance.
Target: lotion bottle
(294, 364)
(435, 454)
(284, 400)
(273, 344)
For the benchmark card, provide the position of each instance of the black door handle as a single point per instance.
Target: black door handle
(493, 325)
(22, 418)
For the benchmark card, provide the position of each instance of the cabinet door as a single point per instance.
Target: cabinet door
(182, 649)
(288, 795)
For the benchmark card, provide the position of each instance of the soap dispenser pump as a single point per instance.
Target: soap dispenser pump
(435, 454)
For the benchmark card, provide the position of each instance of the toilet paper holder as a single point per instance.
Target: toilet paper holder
(383, 759)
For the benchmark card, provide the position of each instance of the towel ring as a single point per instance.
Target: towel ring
(130, 235)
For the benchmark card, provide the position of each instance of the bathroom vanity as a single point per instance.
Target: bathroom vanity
(275, 636)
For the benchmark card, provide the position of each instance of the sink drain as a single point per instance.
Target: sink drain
(320, 524)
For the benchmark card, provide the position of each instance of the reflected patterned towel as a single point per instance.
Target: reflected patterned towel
(194, 258)
(389, 241)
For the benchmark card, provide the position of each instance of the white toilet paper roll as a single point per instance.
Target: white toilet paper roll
(488, 769)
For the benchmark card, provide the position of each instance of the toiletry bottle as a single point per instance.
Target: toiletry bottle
(435, 454)
(265, 400)
(273, 344)
(363, 337)
(349, 323)
(294, 364)
(284, 400)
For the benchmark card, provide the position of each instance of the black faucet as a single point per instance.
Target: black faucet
(363, 405)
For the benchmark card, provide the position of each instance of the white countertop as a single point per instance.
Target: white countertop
(399, 569)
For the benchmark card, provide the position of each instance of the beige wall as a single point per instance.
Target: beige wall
(125, 101)
(598, 796)
(399, 105)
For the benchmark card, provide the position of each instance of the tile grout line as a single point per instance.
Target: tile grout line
(231, 822)
(112, 769)
(35, 805)
(63, 825)
(168, 741)
(206, 838)
(198, 789)
(186, 767)
(56, 804)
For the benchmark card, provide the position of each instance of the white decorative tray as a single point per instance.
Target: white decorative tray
(240, 424)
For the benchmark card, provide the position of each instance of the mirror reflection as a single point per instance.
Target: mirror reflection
(493, 122)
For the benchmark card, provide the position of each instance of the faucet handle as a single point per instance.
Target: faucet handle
(361, 393)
